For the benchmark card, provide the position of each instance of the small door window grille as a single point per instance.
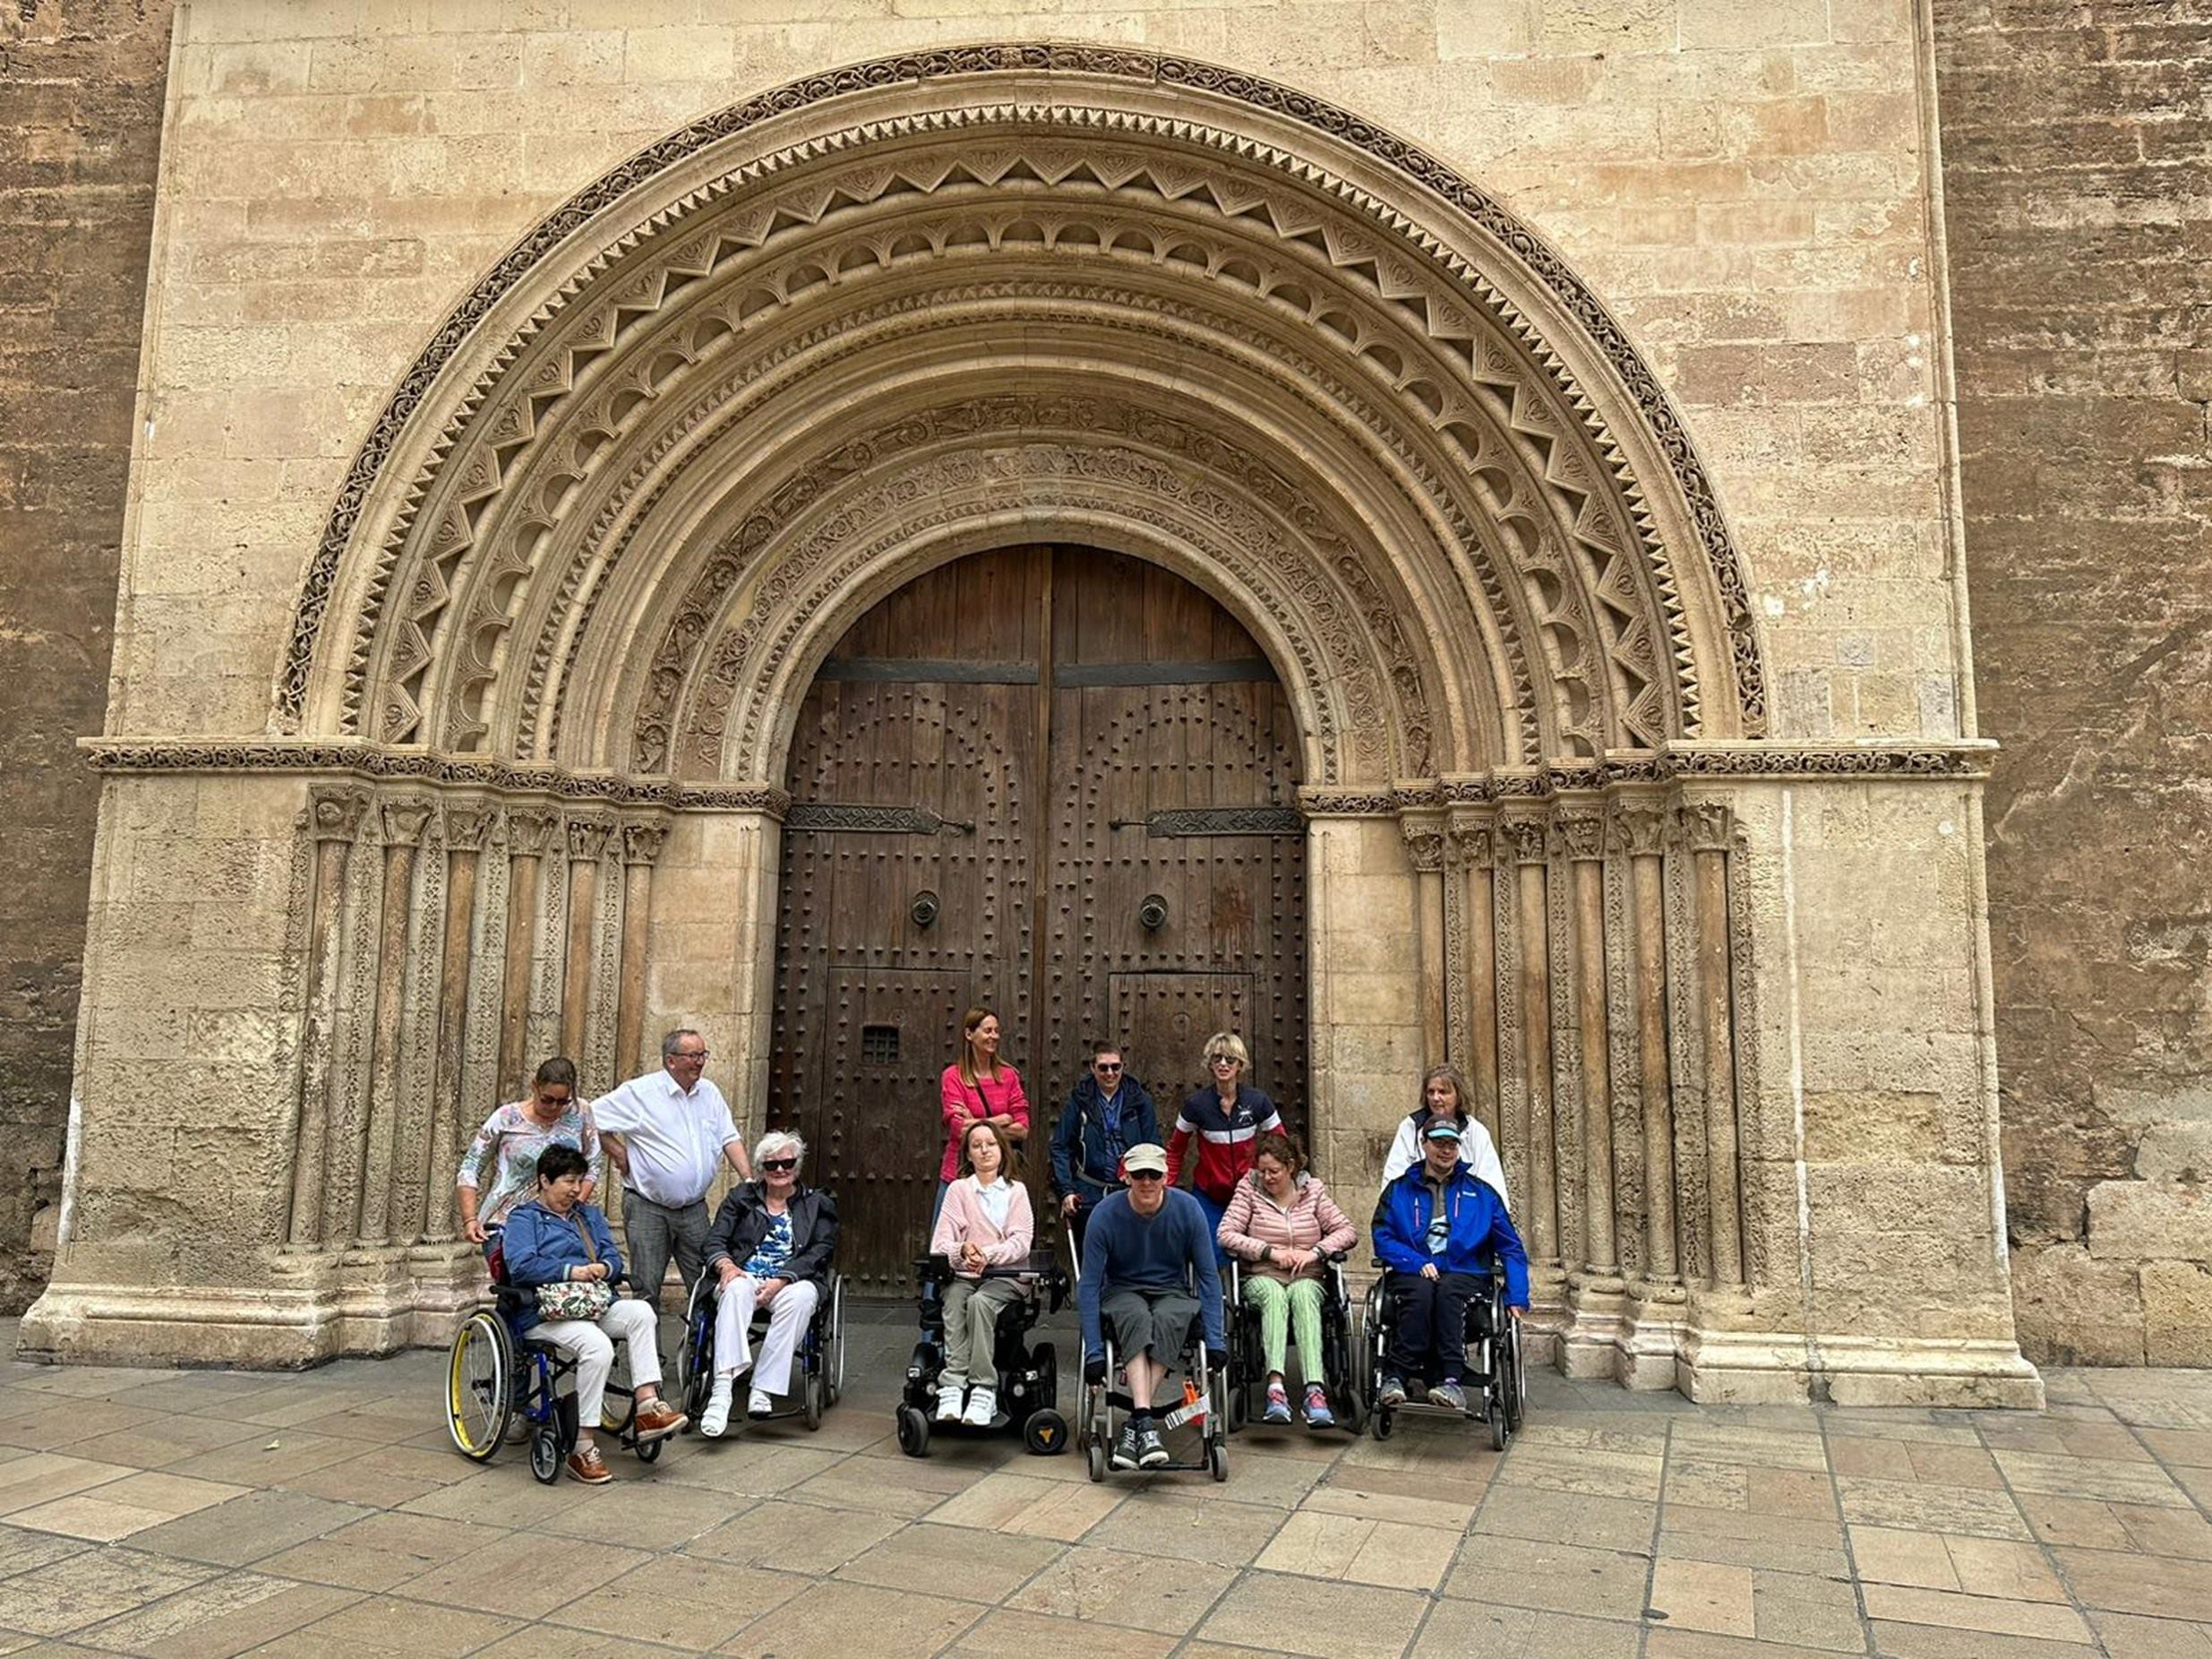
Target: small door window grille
(879, 1046)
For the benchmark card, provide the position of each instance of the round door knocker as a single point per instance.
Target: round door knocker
(923, 910)
(1151, 914)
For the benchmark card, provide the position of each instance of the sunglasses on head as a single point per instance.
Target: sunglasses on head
(779, 1164)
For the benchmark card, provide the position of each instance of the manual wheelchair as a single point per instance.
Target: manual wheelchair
(1028, 1376)
(818, 1366)
(501, 1381)
(1205, 1403)
(1496, 1381)
(1340, 1360)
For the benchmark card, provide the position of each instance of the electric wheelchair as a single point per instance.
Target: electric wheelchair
(501, 1381)
(817, 1364)
(1496, 1381)
(1340, 1364)
(1028, 1376)
(1104, 1405)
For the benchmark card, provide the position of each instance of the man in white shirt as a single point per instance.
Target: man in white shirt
(668, 1132)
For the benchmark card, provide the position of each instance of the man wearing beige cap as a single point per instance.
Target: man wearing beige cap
(1144, 1250)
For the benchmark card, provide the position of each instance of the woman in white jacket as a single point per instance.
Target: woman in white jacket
(1445, 1094)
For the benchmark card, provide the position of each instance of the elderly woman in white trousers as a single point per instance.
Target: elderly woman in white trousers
(770, 1247)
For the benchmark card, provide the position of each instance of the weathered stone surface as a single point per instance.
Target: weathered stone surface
(2075, 1310)
(81, 90)
(2078, 234)
(2177, 1313)
(2144, 1220)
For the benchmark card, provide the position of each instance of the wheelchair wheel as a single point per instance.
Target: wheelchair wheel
(833, 1359)
(1382, 1422)
(1046, 1359)
(695, 1354)
(1514, 1377)
(813, 1392)
(1045, 1433)
(480, 1386)
(545, 1453)
(618, 1407)
(1217, 1460)
(649, 1451)
(1500, 1430)
(914, 1431)
(1352, 1412)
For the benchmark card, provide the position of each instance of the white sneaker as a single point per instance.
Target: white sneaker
(948, 1401)
(715, 1418)
(982, 1406)
(758, 1403)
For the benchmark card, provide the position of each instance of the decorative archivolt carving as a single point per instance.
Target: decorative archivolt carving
(1407, 272)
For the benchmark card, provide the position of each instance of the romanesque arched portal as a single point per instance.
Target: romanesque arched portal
(549, 650)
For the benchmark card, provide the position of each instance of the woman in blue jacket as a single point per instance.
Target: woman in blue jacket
(1438, 1231)
(557, 1239)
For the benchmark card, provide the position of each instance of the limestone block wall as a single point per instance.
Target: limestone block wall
(2074, 145)
(81, 103)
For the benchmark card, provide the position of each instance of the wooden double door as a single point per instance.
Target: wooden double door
(1051, 781)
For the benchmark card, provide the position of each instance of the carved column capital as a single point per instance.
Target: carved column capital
(1580, 831)
(1424, 840)
(1637, 827)
(468, 829)
(1524, 840)
(587, 839)
(1467, 842)
(642, 843)
(335, 814)
(404, 821)
(529, 834)
(1706, 826)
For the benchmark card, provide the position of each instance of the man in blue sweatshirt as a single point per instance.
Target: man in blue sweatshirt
(1144, 1252)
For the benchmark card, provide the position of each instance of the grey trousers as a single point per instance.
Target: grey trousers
(656, 1231)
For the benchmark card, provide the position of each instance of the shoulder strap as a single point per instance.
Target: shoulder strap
(576, 1219)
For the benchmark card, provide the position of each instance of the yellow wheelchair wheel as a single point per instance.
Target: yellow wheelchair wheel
(479, 1385)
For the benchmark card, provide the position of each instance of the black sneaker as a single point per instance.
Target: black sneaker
(1150, 1453)
(1394, 1392)
(1126, 1447)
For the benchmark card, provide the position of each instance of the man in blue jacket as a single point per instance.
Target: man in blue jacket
(1438, 1231)
(1107, 1114)
(1144, 1250)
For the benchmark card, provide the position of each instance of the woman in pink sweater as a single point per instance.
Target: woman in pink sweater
(986, 1222)
(1284, 1225)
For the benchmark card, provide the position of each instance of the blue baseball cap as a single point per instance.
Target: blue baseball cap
(1442, 1131)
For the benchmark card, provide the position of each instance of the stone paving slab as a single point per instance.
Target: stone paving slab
(159, 1513)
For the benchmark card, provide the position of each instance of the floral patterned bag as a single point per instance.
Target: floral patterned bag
(575, 1298)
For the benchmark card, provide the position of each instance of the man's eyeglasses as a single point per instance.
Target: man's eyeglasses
(1147, 1174)
(680, 1054)
(779, 1164)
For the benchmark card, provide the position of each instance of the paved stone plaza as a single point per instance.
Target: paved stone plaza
(215, 1513)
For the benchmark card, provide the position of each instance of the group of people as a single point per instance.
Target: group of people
(1149, 1252)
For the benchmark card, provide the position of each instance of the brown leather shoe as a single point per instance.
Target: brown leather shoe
(586, 1464)
(657, 1419)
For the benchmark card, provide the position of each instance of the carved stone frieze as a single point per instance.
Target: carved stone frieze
(587, 839)
(404, 822)
(642, 843)
(1424, 843)
(1580, 831)
(336, 814)
(468, 829)
(531, 835)
(1707, 826)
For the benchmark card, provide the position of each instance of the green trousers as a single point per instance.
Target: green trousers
(1282, 1305)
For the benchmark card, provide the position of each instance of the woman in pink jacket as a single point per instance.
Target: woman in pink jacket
(986, 1222)
(974, 1089)
(1284, 1225)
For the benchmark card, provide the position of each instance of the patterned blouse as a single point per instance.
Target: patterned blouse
(513, 1139)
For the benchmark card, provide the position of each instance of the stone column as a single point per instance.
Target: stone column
(1706, 824)
(641, 845)
(1533, 947)
(1640, 827)
(529, 834)
(334, 817)
(404, 823)
(1468, 848)
(1581, 833)
(467, 829)
(1423, 841)
(587, 843)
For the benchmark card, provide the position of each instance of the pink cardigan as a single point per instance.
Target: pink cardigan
(1252, 1222)
(963, 1221)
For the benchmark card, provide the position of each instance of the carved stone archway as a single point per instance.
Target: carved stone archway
(548, 650)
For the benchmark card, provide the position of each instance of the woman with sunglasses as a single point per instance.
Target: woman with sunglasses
(1226, 1117)
(512, 1139)
(769, 1248)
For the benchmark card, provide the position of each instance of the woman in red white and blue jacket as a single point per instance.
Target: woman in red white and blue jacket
(1226, 1118)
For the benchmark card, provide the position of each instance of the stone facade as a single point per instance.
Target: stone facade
(2081, 247)
(81, 93)
(1627, 813)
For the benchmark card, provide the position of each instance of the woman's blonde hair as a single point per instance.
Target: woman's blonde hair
(1230, 1043)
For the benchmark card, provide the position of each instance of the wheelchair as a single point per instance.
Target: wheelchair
(501, 1381)
(1204, 1403)
(818, 1366)
(1339, 1361)
(1028, 1378)
(1496, 1381)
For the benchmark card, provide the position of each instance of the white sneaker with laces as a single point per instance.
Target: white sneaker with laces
(982, 1406)
(715, 1419)
(948, 1401)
